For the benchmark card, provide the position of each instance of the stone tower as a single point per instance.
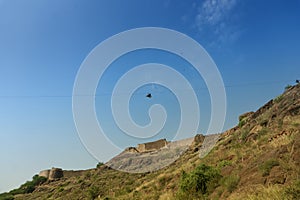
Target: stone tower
(56, 173)
(52, 174)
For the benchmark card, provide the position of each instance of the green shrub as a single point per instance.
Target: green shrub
(17, 191)
(6, 196)
(203, 180)
(29, 186)
(38, 180)
(99, 164)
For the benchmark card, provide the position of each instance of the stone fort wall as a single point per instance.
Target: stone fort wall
(52, 174)
(45, 173)
(152, 146)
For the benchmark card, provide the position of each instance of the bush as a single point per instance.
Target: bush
(99, 164)
(17, 191)
(38, 180)
(199, 182)
(6, 196)
(29, 186)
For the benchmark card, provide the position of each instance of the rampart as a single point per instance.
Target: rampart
(152, 146)
(52, 174)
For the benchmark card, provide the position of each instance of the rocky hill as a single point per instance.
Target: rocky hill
(257, 159)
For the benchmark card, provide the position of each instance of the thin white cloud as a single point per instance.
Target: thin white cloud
(214, 11)
(215, 16)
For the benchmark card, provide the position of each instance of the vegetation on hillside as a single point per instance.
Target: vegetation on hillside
(257, 159)
(199, 183)
(25, 188)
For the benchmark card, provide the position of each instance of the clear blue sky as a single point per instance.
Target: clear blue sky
(255, 45)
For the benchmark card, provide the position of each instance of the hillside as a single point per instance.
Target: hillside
(257, 159)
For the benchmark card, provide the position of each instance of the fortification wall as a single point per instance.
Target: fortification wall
(45, 173)
(72, 173)
(141, 148)
(152, 146)
(52, 174)
(180, 143)
(56, 173)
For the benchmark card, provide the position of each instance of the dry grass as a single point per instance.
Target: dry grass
(167, 196)
(259, 192)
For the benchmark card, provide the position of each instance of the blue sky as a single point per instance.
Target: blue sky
(255, 45)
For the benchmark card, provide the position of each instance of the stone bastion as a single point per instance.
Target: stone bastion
(52, 174)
